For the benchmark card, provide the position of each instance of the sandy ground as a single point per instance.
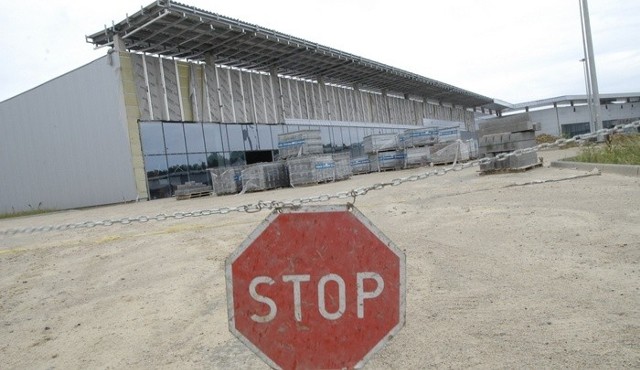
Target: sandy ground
(498, 276)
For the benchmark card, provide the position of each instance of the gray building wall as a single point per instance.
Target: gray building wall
(552, 118)
(65, 144)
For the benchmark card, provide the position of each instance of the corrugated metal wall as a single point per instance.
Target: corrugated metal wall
(220, 94)
(65, 144)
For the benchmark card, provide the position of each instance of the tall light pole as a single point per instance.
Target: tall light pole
(586, 82)
(592, 80)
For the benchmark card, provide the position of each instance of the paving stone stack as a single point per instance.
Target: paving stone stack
(343, 168)
(417, 156)
(360, 165)
(226, 180)
(384, 152)
(192, 189)
(450, 152)
(310, 170)
(265, 176)
(419, 137)
(299, 143)
(506, 135)
(387, 160)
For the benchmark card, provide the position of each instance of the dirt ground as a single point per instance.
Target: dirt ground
(545, 275)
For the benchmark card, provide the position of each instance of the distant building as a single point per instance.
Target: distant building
(570, 115)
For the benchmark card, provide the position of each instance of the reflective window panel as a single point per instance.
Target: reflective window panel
(213, 137)
(194, 137)
(174, 138)
(152, 138)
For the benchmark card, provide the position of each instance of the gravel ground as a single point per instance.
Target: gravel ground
(500, 274)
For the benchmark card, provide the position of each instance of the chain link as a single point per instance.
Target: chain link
(295, 203)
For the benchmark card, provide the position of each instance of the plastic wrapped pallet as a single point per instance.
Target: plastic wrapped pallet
(360, 165)
(264, 176)
(419, 156)
(449, 152)
(343, 169)
(299, 143)
(380, 142)
(446, 135)
(311, 170)
(226, 180)
(418, 137)
(387, 160)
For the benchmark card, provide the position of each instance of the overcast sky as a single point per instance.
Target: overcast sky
(513, 50)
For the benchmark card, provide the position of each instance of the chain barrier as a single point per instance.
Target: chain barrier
(344, 195)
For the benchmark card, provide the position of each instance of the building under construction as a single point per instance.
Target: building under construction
(181, 90)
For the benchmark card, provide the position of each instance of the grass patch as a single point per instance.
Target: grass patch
(619, 149)
(30, 212)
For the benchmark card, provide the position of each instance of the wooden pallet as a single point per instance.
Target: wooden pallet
(511, 170)
(196, 194)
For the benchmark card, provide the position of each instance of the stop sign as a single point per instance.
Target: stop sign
(316, 288)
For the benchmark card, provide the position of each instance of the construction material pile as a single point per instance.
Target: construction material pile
(192, 189)
(506, 135)
(299, 143)
(265, 176)
(313, 169)
(226, 180)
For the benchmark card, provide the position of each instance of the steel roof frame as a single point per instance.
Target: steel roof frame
(172, 29)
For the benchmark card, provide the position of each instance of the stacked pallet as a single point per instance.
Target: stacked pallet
(311, 170)
(419, 137)
(226, 180)
(507, 135)
(343, 168)
(192, 189)
(264, 176)
(450, 152)
(360, 165)
(387, 160)
(299, 143)
(380, 143)
(384, 152)
(417, 156)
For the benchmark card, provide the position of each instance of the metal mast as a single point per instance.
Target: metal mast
(592, 80)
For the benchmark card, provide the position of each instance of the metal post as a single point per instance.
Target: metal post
(588, 87)
(591, 64)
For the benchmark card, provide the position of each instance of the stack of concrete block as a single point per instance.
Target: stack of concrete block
(450, 152)
(418, 137)
(448, 134)
(418, 156)
(311, 169)
(506, 135)
(192, 189)
(299, 143)
(360, 165)
(380, 142)
(264, 176)
(343, 168)
(226, 180)
(387, 160)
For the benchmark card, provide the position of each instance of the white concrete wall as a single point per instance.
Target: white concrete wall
(552, 118)
(65, 144)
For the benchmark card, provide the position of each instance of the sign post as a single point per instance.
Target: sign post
(316, 288)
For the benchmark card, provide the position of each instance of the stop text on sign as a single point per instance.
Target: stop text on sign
(297, 280)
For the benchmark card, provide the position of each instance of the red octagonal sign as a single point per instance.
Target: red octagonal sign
(316, 288)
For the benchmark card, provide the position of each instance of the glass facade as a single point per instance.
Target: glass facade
(177, 152)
